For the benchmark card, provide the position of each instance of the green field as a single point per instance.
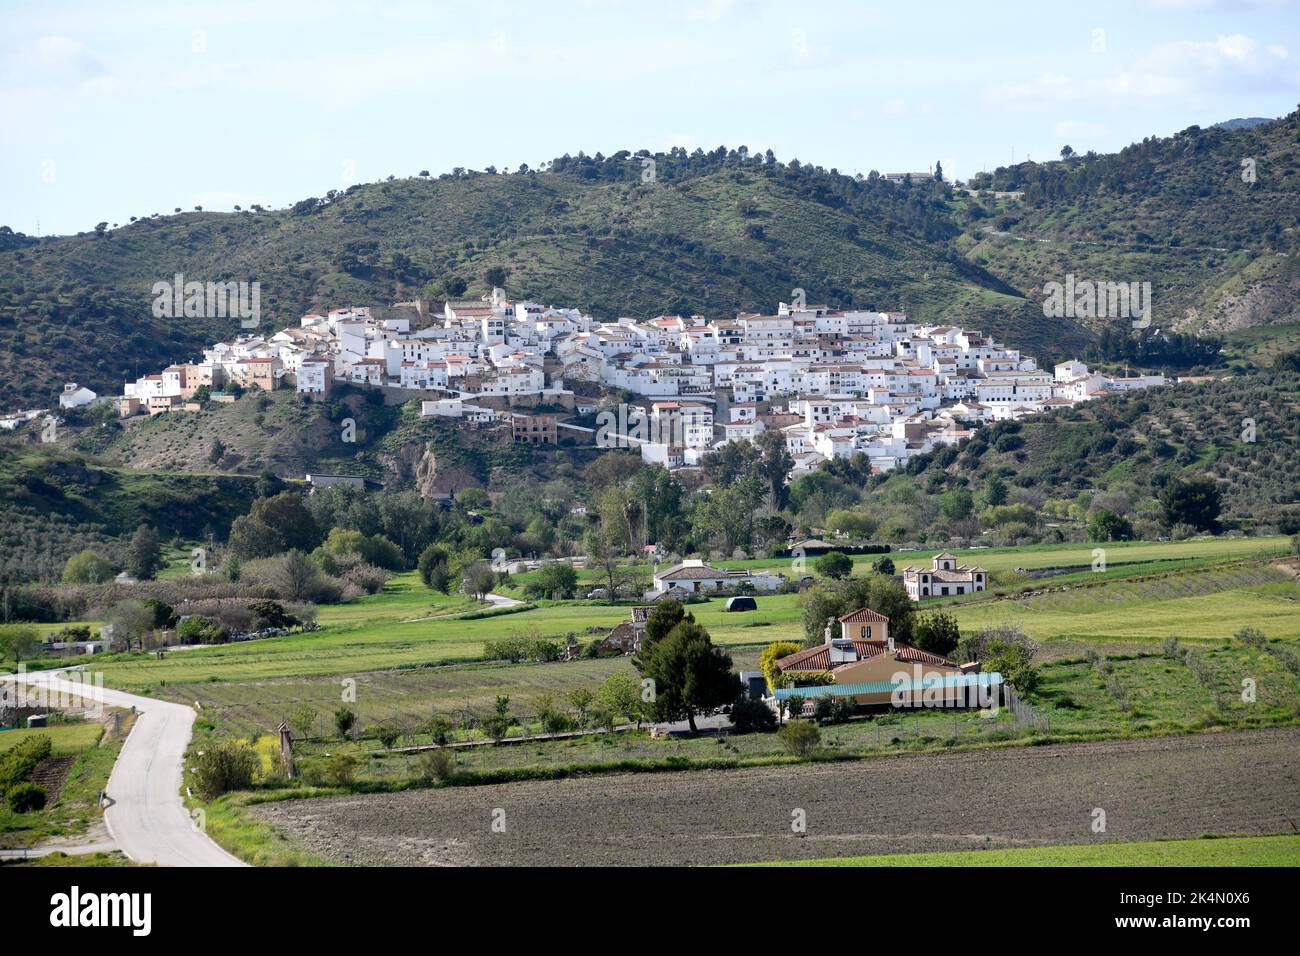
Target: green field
(77, 808)
(407, 625)
(1210, 604)
(1224, 851)
(66, 739)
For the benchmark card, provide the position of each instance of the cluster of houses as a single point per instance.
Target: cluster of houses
(834, 383)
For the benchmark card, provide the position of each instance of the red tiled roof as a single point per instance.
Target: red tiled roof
(862, 615)
(818, 658)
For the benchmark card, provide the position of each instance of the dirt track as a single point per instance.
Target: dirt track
(1240, 782)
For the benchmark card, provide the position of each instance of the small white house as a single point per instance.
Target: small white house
(694, 576)
(74, 396)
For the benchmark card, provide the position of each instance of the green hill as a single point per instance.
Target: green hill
(713, 234)
(1210, 217)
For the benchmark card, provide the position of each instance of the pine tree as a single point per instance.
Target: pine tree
(144, 554)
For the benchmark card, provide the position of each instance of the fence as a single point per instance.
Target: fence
(1025, 714)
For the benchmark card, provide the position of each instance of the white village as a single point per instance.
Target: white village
(836, 383)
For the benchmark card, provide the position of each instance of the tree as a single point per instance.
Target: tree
(557, 580)
(883, 566)
(602, 556)
(956, 504)
(132, 623)
(344, 721)
(223, 767)
(87, 567)
(834, 564)
(294, 577)
(496, 276)
(581, 700)
(251, 538)
(144, 554)
(621, 693)
(498, 723)
(749, 715)
(303, 719)
(479, 580)
(433, 568)
(936, 632)
(1106, 525)
(690, 675)
(1194, 501)
(938, 171)
(881, 594)
(995, 491)
(665, 616)
(17, 641)
(775, 464)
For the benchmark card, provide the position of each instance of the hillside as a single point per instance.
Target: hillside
(1115, 453)
(58, 502)
(1210, 217)
(714, 234)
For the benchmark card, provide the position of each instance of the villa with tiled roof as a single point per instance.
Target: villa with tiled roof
(864, 662)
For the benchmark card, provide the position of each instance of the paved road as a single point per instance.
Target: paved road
(500, 600)
(145, 815)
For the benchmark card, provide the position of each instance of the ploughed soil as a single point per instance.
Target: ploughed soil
(1241, 782)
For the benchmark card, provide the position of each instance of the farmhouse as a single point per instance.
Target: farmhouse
(945, 577)
(865, 663)
(694, 577)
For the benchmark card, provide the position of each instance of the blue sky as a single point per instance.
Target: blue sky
(109, 110)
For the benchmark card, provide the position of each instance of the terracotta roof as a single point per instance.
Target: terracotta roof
(817, 659)
(862, 615)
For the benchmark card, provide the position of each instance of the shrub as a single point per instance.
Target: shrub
(225, 767)
(834, 564)
(1252, 637)
(17, 763)
(771, 654)
(794, 705)
(341, 768)
(436, 765)
(833, 710)
(749, 715)
(25, 797)
(800, 737)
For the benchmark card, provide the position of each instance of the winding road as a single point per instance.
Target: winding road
(144, 812)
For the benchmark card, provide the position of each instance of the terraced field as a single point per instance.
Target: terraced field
(1211, 604)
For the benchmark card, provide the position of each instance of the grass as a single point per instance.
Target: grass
(65, 739)
(375, 635)
(1201, 605)
(77, 808)
(80, 861)
(409, 626)
(1208, 851)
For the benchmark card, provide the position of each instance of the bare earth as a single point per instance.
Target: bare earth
(1245, 782)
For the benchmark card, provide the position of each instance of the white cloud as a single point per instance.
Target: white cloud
(1227, 64)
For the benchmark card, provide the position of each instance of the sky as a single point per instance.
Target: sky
(109, 110)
